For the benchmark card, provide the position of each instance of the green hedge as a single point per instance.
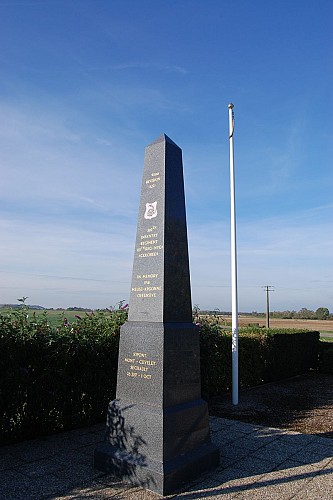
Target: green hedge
(52, 379)
(291, 353)
(326, 357)
(56, 379)
(264, 356)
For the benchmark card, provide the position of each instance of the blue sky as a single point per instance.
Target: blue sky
(85, 85)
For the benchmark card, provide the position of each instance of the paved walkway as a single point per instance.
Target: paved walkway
(256, 463)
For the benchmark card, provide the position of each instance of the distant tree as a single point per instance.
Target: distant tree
(76, 308)
(195, 312)
(322, 313)
(305, 313)
(196, 309)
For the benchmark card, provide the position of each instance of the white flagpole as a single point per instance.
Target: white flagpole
(234, 301)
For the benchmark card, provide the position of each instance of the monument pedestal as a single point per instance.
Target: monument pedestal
(161, 475)
(157, 428)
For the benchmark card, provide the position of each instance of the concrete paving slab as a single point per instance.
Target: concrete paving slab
(278, 451)
(227, 483)
(320, 488)
(282, 484)
(315, 452)
(256, 462)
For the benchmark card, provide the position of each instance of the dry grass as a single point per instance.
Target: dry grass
(307, 324)
(303, 324)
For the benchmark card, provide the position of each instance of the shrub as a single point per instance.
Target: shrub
(264, 356)
(326, 357)
(290, 353)
(215, 356)
(55, 379)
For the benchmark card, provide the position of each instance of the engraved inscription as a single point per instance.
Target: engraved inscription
(150, 244)
(139, 367)
(147, 287)
(155, 178)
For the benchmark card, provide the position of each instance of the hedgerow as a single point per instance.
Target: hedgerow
(53, 379)
(57, 378)
(264, 355)
(326, 357)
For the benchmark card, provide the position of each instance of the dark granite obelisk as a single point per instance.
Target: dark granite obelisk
(157, 428)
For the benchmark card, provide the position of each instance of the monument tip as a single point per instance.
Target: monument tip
(163, 138)
(230, 106)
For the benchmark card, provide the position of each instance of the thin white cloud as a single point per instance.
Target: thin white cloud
(167, 68)
(43, 161)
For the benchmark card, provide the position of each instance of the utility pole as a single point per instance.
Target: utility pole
(268, 288)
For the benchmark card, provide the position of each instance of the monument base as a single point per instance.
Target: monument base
(157, 431)
(135, 452)
(161, 478)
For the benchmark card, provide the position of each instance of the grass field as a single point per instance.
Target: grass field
(54, 317)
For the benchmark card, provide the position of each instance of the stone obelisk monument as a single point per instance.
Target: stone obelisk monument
(157, 428)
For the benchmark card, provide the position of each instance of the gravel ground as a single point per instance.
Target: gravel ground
(303, 403)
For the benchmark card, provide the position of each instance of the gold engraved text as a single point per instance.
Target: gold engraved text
(139, 366)
(151, 183)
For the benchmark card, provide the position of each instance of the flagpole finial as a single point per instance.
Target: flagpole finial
(230, 106)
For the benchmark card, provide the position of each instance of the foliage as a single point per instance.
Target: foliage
(326, 357)
(290, 352)
(264, 356)
(56, 378)
(215, 352)
(321, 313)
